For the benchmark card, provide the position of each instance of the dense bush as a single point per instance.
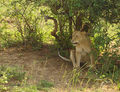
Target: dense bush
(23, 24)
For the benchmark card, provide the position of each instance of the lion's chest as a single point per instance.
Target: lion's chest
(83, 49)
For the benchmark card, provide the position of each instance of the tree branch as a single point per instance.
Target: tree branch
(53, 33)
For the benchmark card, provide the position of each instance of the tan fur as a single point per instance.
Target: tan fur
(82, 45)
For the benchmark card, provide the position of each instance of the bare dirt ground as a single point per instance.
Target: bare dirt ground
(44, 65)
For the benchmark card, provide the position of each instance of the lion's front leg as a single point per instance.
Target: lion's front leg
(72, 57)
(92, 60)
(78, 59)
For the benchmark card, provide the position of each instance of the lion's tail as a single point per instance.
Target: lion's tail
(64, 58)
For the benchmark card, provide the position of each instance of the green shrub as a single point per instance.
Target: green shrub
(106, 42)
(15, 73)
(7, 74)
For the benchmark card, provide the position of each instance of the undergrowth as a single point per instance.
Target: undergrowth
(14, 79)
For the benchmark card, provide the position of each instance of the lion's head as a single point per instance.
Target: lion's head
(77, 37)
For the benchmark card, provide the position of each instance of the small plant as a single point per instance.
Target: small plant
(75, 77)
(44, 85)
(3, 81)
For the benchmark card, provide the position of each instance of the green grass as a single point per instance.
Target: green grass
(25, 89)
(44, 85)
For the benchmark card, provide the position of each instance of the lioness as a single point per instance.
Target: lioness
(82, 45)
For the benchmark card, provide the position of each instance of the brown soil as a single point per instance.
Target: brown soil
(40, 65)
(43, 65)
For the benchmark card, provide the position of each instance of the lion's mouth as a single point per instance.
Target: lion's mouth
(74, 43)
